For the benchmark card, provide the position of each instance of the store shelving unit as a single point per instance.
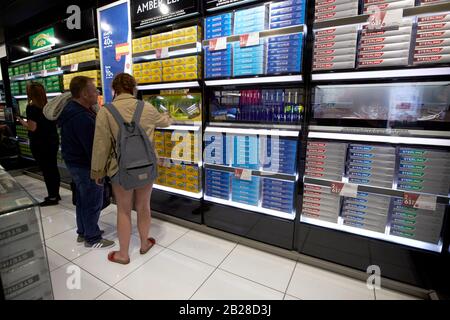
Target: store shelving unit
(240, 186)
(373, 225)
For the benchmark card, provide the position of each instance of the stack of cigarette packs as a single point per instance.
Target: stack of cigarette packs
(385, 47)
(335, 48)
(384, 5)
(334, 9)
(319, 203)
(432, 39)
(325, 160)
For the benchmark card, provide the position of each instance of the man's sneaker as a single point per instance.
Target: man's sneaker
(102, 244)
(80, 238)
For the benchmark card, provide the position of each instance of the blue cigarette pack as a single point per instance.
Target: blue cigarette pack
(288, 3)
(220, 18)
(250, 11)
(224, 60)
(297, 16)
(284, 63)
(287, 10)
(279, 70)
(286, 23)
(296, 37)
(280, 57)
(281, 45)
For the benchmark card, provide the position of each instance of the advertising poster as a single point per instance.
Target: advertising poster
(114, 31)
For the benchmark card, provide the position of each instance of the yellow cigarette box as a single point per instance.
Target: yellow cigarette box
(179, 33)
(168, 136)
(146, 66)
(169, 70)
(137, 73)
(156, 78)
(179, 61)
(146, 47)
(179, 76)
(177, 41)
(156, 37)
(168, 62)
(191, 31)
(192, 187)
(166, 43)
(191, 39)
(155, 64)
(168, 77)
(137, 66)
(190, 75)
(155, 72)
(191, 60)
(166, 35)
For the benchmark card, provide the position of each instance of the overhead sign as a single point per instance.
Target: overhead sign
(154, 12)
(114, 29)
(60, 35)
(43, 40)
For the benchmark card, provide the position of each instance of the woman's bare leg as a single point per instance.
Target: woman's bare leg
(124, 200)
(142, 205)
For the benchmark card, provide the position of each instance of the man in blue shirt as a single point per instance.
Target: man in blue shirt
(77, 122)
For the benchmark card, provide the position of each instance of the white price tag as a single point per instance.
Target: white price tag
(162, 53)
(345, 189)
(74, 67)
(243, 174)
(383, 19)
(43, 73)
(249, 39)
(420, 201)
(218, 44)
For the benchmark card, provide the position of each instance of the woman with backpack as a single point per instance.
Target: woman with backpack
(44, 141)
(132, 173)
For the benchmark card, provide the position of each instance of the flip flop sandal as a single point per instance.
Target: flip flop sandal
(113, 259)
(152, 241)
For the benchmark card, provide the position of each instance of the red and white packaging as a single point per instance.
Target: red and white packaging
(336, 8)
(383, 55)
(433, 43)
(443, 58)
(335, 15)
(383, 62)
(433, 35)
(432, 51)
(439, 26)
(334, 45)
(335, 52)
(386, 33)
(336, 38)
(390, 5)
(385, 47)
(385, 40)
(335, 31)
(434, 19)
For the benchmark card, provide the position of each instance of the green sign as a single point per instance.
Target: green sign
(42, 40)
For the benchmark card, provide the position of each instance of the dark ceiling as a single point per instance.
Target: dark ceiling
(20, 17)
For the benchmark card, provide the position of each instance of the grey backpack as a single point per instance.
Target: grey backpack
(135, 153)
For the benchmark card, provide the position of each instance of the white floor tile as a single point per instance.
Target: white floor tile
(386, 294)
(112, 294)
(55, 260)
(66, 245)
(112, 208)
(167, 276)
(265, 268)
(96, 262)
(312, 283)
(56, 224)
(165, 232)
(111, 219)
(65, 287)
(206, 248)
(288, 297)
(226, 286)
(52, 210)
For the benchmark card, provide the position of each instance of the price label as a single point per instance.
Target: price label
(74, 67)
(218, 44)
(249, 39)
(383, 19)
(243, 174)
(420, 201)
(162, 53)
(345, 189)
(43, 73)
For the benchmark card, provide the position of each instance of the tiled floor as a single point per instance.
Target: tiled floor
(185, 264)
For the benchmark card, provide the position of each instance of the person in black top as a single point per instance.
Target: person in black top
(44, 141)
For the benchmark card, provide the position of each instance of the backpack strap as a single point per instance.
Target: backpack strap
(138, 112)
(115, 113)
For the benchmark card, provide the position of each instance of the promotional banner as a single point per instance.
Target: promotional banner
(114, 30)
(149, 13)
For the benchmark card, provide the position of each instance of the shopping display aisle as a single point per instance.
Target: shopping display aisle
(184, 264)
(318, 127)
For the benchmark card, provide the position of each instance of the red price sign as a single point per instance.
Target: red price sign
(419, 201)
(217, 44)
(410, 199)
(336, 187)
(162, 53)
(344, 189)
(250, 39)
(243, 174)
